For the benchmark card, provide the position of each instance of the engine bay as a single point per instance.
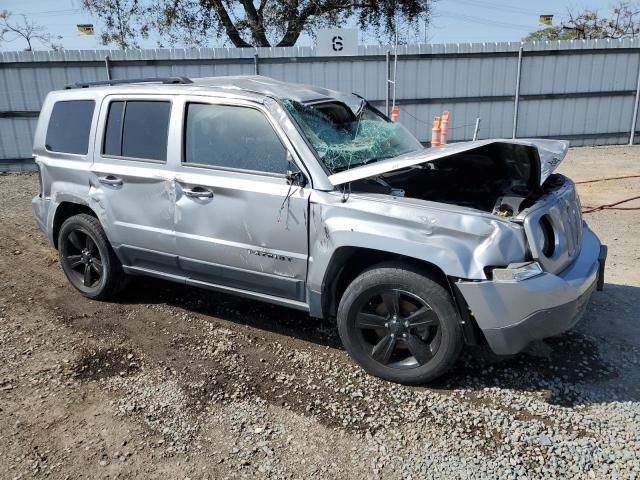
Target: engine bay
(494, 178)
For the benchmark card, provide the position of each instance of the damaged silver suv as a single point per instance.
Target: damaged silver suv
(313, 199)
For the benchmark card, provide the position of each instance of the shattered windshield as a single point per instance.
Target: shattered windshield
(344, 139)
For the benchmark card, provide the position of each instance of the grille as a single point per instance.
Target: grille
(564, 214)
(570, 214)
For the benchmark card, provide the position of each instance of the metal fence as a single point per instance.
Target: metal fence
(584, 91)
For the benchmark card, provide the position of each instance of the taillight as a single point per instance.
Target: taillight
(40, 184)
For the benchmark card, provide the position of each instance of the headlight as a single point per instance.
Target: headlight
(516, 272)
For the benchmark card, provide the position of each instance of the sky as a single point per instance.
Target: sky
(454, 21)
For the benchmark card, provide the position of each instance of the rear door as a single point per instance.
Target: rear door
(239, 223)
(132, 187)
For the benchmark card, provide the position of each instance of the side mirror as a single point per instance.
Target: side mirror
(294, 175)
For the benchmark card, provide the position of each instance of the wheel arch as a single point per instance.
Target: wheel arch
(65, 210)
(348, 262)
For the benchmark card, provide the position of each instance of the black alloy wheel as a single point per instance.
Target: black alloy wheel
(399, 322)
(400, 329)
(83, 258)
(87, 258)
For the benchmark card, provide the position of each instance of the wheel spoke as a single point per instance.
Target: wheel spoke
(423, 317)
(383, 349)
(74, 260)
(87, 275)
(75, 240)
(96, 268)
(419, 349)
(369, 321)
(98, 263)
(391, 300)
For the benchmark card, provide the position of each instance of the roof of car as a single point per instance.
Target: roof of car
(243, 85)
(269, 86)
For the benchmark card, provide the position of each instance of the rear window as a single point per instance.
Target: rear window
(137, 129)
(69, 127)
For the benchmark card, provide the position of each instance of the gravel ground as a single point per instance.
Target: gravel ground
(175, 382)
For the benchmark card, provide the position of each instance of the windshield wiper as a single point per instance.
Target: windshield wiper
(359, 114)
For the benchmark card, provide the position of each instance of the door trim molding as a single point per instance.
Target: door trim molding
(285, 302)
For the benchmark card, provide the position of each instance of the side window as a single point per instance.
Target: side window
(69, 126)
(137, 129)
(233, 137)
(113, 134)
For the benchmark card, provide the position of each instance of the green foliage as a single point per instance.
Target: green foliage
(246, 23)
(623, 21)
(551, 33)
(124, 21)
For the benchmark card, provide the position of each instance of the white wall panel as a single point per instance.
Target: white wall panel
(567, 88)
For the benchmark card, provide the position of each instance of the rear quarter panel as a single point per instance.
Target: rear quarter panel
(64, 175)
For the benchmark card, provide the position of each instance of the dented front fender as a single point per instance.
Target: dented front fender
(459, 241)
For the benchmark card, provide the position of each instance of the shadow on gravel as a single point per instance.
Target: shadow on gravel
(261, 315)
(567, 367)
(570, 368)
(593, 363)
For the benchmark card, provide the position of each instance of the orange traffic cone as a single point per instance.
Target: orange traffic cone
(395, 113)
(444, 128)
(435, 132)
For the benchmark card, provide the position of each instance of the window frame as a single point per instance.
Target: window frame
(225, 103)
(89, 138)
(125, 99)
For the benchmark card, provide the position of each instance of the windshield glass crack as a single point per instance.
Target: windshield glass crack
(345, 140)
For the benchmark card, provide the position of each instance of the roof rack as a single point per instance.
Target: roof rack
(166, 80)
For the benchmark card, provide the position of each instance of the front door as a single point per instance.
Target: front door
(132, 188)
(239, 223)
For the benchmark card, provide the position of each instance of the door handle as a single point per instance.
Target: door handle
(111, 180)
(198, 192)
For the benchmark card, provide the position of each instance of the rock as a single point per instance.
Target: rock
(544, 440)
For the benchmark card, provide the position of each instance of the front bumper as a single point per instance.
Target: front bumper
(513, 314)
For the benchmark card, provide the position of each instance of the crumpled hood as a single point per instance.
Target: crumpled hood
(550, 155)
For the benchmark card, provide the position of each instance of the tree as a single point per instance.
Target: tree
(27, 30)
(246, 23)
(123, 20)
(550, 33)
(623, 21)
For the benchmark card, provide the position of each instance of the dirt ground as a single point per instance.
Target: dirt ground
(175, 382)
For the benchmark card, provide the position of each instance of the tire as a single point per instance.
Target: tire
(417, 345)
(87, 258)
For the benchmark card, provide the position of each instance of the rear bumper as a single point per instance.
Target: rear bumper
(513, 314)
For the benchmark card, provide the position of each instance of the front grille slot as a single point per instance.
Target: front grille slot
(572, 222)
(564, 212)
(569, 222)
